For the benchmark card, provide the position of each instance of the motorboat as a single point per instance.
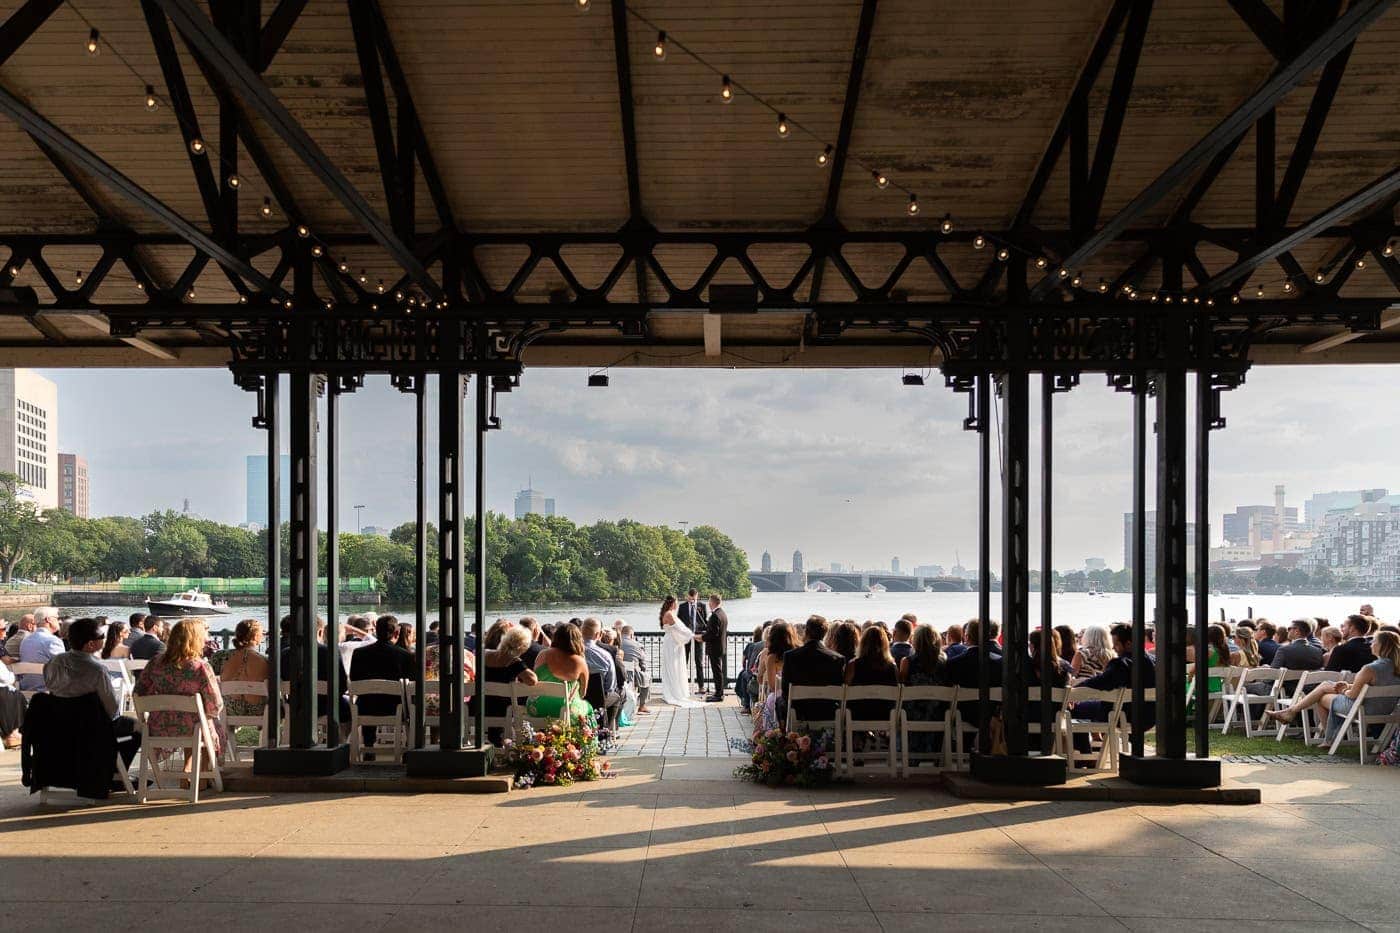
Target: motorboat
(188, 603)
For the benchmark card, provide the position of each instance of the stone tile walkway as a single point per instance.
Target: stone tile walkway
(698, 732)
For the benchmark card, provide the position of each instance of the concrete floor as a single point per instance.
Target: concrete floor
(677, 844)
(696, 732)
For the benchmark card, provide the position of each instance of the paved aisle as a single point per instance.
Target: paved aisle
(698, 732)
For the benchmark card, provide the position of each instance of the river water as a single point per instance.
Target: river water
(942, 609)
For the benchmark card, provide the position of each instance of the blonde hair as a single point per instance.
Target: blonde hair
(514, 641)
(186, 642)
(1386, 646)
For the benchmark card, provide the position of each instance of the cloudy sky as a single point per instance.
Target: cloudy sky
(848, 466)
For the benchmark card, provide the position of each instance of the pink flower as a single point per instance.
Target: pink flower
(822, 763)
(792, 757)
(804, 743)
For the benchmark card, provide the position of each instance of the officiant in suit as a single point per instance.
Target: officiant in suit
(715, 638)
(693, 613)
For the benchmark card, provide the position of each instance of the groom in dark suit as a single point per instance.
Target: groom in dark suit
(692, 613)
(715, 638)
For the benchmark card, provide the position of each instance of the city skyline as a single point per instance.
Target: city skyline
(848, 466)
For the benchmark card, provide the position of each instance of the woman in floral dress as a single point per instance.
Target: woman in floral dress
(181, 670)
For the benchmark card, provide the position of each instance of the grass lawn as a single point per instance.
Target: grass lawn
(1236, 743)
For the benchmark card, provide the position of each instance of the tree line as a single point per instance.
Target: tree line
(534, 559)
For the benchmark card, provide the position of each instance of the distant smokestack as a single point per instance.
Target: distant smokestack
(1278, 518)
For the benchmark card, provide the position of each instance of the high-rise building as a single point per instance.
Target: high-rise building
(256, 489)
(1316, 507)
(29, 434)
(766, 565)
(73, 484)
(928, 570)
(796, 561)
(531, 501)
(1095, 563)
(837, 567)
(1150, 550)
(894, 565)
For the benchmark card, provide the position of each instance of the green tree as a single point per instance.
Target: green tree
(233, 551)
(120, 546)
(726, 564)
(179, 550)
(19, 525)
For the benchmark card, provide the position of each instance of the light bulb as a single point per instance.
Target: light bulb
(1360, 263)
(140, 287)
(344, 266)
(1003, 254)
(287, 304)
(1195, 299)
(726, 90)
(783, 128)
(317, 250)
(197, 145)
(913, 207)
(1041, 262)
(881, 181)
(979, 241)
(1167, 299)
(1259, 292)
(1288, 286)
(93, 46)
(1234, 299)
(1389, 250)
(658, 51)
(582, 5)
(189, 295)
(363, 277)
(1076, 280)
(78, 276)
(1319, 278)
(947, 225)
(266, 209)
(380, 287)
(398, 296)
(243, 299)
(234, 181)
(151, 102)
(1064, 273)
(1153, 298)
(1210, 302)
(1103, 287)
(824, 157)
(303, 231)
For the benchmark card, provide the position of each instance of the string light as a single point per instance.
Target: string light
(658, 51)
(287, 304)
(196, 145)
(1360, 263)
(189, 295)
(380, 287)
(979, 241)
(152, 102)
(243, 299)
(1153, 297)
(1234, 299)
(947, 225)
(1041, 262)
(344, 266)
(234, 182)
(582, 5)
(363, 277)
(266, 209)
(913, 207)
(1063, 273)
(1288, 287)
(726, 90)
(303, 231)
(1389, 250)
(882, 181)
(1103, 286)
(824, 157)
(140, 287)
(1259, 292)
(94, 42)
(783, 128)
(1076, 280)
(316, 250)
(1210, 302)
(78, 276)
(1319, 278)
(1003, 254)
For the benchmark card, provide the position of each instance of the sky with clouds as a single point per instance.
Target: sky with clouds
(849, 466)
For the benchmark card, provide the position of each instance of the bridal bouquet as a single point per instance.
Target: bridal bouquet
(803, 759)
(559, 754)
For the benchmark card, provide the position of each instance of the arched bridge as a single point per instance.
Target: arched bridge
(787, 582)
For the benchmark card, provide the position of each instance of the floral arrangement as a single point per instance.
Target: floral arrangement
(803, 759)
(558, 755)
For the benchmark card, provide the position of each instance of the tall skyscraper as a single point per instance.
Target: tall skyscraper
(796, 561)
(73, 484)
(767, 564)
(256, 493)
(29, 434)
(894, 565)
(530, 501)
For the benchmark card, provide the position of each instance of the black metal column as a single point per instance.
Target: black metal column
(1015, 556)
(984, 556)
(1047, 589)
(1139, 569)
(420, 565)
(451, 757)
(1204, 418)
(272, 418)
(483, 399)
(304, 756)
(333, 685)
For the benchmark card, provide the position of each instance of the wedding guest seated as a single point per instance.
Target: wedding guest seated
(1353, 653)
(538, 641)
(953, 642)
(115, 645)
(433, 632)
(407, 637)
(1328, 637)
(181, 670)
(77, 672)
(1069, 643)
(136, 627)
(291, 670)
(899, 644)
(844, 638)
(1059, 672)
(602, 666)
(148, 645)
(1247, 647)
(748, 671)
(963, 670)
(12, 707)
(926, 666)
(563, 663)
(1094, 653)
(433, 674)
(1301, 652)
(1338, 697)
(608, 639)
(13, 642)
(1266, 638)
(505, 663)
(633, 652)
(810, 665)
(779, 639)
(246, 664)
(40, 646)
(873, 666)
(1118, 675)
(382, 660)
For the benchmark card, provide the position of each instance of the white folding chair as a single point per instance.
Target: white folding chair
(1242, 701)
(27, 667)
(395, 723)
(1121, 734)
(943, 725)
(241, 688)
(118, 666)
(836, 724)
(963, 729)
(1216, 698)
(1033, 723)
(1106, 757)
(199, 738)
(876, 761)
(1312, 730)
(523, 693)
(135, 666)
(505, 722)
(1358, 722)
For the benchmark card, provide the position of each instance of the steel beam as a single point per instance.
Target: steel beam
(420, 555)
(1171, 564)
(23, 23)
(1266, 26)
(1115, 109)
(1139, 568)
(273, 425)
(1015, 556)
(377, 102)
(984, 557)
(1047, 540)
(334, 687)
(452, 563)
(244, 81)
(479, 564)
(1328, 43)
(276, 29)
(1204, 415)
(302, 532)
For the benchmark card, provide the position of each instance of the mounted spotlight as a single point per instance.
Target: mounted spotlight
(597, 380)
(913, 379)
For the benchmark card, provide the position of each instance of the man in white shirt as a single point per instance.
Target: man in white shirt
(78, 672)
(42, 645)
(601, 663)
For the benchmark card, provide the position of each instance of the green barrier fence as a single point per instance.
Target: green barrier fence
(228, 586)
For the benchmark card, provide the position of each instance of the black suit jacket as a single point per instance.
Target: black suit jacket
(962, 670)
(146, 647)
(382, 660)
(812, 665)
(1118, 675)
(716, 631)
(1351, 655)
(695, 622)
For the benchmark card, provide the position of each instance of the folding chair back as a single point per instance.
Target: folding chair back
(505, 721)
(1241, 701)
(1057, 702)
(396, 722)
(27, 667)
(922, 701)
(797, 693)
(135, 665)
(1359, 722)
(200, 737)
(871, 759)
(1071, 725)
(963, 728)
(118, 666)
(234, 722)
(1311, 730)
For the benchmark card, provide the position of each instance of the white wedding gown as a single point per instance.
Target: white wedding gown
(675, 672)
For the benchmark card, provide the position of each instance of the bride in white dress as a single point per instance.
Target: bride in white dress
(676, 685)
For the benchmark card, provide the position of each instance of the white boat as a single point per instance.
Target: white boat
(1287, 592)
(188, 603)
(1093, 591)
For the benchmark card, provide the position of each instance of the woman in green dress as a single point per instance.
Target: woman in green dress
(1218, 655)
(562, 663)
